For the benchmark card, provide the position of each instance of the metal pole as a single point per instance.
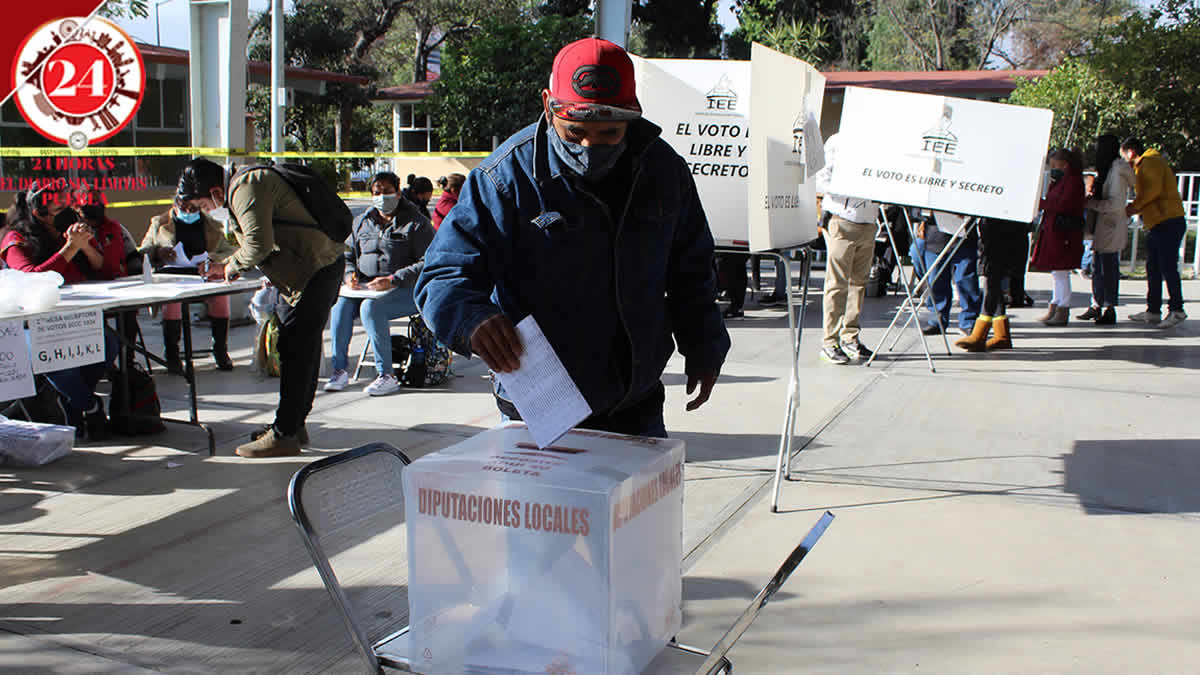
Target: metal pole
(278, 93)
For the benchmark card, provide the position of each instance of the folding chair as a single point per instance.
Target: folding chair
(351, 507)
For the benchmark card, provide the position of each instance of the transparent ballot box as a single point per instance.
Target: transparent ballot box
(561, 560)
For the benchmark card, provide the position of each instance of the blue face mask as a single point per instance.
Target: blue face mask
(591, 163)
(187, 218)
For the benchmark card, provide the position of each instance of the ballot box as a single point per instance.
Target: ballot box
(562, 560)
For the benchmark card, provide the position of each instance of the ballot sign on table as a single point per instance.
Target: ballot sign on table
(786, 151)
(16, 372)
(703, 107)
(557, 560)
(66, 340)
(946, 154)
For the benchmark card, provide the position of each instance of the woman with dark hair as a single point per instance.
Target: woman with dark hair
(385, 253)
(1059, 247)
(79, 251)
(1107, 198)
(419, 192)
(184, 224)
(451, 187)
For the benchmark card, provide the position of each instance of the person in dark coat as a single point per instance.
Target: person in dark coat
(1003, 245)
(1059, 249)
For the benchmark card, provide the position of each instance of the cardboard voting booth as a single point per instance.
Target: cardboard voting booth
(946, 154)
(751, 192)
(562, 560)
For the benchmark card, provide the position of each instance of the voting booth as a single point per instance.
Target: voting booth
(756, 188)
(557, 560)
(947, 154)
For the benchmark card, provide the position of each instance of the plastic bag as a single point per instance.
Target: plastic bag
(262, 305)
(28, 291)
(266, 348)
(33, 444)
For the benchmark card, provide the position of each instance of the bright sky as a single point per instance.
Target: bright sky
(173, 21)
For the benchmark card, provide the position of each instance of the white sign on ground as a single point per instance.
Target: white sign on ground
(703, 107)
(947, 154)
(787, 150)
(16, 373)
(67, 340)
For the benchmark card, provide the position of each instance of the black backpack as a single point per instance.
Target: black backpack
(322, 201)
(145, 414)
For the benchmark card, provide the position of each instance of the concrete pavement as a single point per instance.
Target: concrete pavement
(1030, 511)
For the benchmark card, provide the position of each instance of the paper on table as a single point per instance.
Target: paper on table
(181, 259)
(542, 389)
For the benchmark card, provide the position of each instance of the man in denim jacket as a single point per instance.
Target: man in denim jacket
(591, 223)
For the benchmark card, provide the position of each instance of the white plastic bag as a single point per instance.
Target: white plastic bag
(28, 291)
(33, 444)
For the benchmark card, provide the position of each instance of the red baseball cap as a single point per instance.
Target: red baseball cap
(592, 81)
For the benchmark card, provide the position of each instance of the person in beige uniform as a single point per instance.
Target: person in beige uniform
(850, 245)
(277, 234)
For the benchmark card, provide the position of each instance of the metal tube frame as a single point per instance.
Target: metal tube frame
(910, 307)
(783, 463)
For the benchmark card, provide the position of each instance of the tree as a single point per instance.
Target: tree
(1154, 59)
(1085, 104)
(433, 22)
(827, 32)
(933, 34)
(1139, 77)
(317, 35)
(1052, 30)
(491, 82)
(678, 28)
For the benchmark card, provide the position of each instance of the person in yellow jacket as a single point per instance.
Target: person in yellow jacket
(1157, 202)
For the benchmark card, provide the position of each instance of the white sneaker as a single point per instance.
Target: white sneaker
(1173, 319)
(1145, 317)
(383, 385)
(337, 381)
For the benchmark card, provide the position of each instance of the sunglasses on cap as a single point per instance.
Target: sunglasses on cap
(592, 112)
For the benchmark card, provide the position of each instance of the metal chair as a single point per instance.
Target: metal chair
(350, 507)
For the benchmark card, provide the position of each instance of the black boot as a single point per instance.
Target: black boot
(172, 329)
(220, 343)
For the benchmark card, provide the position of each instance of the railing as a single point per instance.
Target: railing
(1189, 190)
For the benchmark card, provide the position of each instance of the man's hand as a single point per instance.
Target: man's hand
(497, 343)
(706, 382)
(381, 284)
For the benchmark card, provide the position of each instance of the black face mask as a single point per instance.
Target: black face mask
(65, 219)
(93, 212)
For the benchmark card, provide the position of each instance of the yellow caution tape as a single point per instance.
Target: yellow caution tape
(168, 202)
(224, 152)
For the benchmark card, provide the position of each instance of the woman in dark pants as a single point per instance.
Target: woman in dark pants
(1003, 245)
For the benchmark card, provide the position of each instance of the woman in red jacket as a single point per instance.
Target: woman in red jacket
(451, 186)
(44, 235)
(1059, 247)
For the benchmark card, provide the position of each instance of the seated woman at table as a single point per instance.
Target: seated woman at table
(185, 225)
(386, 253)
(79, 253)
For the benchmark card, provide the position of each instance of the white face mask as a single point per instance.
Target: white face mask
(385, 203)
(220, 213)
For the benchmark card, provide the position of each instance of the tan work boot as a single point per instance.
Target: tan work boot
(270, 444)
(1062, 316)
(977, 340)
(1003, 339)
(1050, 310)
(301, 435)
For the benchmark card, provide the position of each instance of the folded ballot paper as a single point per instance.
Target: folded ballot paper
(557, 560)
